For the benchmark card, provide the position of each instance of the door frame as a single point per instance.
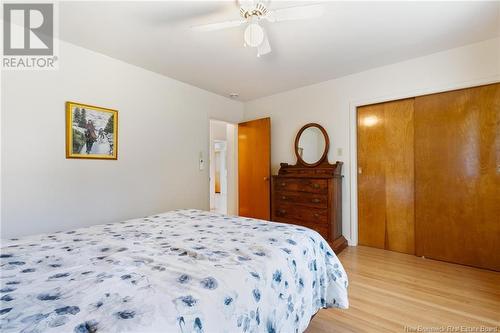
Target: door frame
(353, 144)
(231, 164)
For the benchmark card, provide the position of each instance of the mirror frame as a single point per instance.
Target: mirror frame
(325, 152)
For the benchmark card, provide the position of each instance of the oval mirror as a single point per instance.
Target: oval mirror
(311, 144)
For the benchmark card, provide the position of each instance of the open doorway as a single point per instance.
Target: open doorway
(220, 177)
(223, 168)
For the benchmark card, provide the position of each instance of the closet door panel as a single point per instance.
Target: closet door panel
(457, 154)
(385, 177)
(371, 176)
(399, 176)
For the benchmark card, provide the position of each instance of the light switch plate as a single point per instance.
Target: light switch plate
(340, 151)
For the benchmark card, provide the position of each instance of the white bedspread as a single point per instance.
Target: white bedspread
(182, 271)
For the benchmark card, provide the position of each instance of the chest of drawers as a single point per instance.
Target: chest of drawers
(310, 197)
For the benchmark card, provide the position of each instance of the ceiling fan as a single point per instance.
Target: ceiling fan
(253, 12)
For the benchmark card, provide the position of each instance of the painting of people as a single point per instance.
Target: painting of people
(91, 132)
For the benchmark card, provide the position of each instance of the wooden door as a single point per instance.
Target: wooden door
(386, 176)
(254, 168)
(457, 164)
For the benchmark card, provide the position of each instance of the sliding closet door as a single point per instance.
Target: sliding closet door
(386, 176)
(371, 176)
(457, 173)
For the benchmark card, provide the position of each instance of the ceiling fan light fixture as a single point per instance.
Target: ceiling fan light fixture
(254, 35)
(254, 11)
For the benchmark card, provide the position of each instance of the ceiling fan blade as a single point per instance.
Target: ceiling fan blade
(245, 3)
(264, 47)
(218, 25)
(295, 13)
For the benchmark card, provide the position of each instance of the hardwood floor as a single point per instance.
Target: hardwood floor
(389, 291)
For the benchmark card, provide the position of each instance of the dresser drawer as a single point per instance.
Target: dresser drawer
(322, 229)
(315, 216)
(307, 199)
(301, 185)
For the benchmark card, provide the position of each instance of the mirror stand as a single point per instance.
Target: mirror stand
(312, 145)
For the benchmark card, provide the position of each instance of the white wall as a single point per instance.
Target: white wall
(163, 126)
(333, 104)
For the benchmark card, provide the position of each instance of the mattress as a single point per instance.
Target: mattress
(181, 271)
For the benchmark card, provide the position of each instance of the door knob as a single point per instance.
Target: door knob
(266, 179)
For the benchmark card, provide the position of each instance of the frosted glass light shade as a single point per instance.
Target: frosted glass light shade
(254, 35)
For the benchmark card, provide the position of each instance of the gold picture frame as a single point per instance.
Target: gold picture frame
(91, 132)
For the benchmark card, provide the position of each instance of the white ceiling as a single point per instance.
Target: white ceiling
(350, 37)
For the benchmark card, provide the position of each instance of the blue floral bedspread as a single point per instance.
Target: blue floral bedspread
(182, 271)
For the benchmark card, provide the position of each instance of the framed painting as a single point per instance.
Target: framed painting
(91, 132)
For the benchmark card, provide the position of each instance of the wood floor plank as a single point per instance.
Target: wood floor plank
(389, 291)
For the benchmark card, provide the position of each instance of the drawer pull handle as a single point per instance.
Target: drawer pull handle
(315, 185)
(283, 198)
(283, 184)
(316, 200)
(282, 211)
(316, 215)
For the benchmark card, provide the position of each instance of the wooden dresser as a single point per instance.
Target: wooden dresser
(310, 195)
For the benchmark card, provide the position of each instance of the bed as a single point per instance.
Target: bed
(181, 271)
